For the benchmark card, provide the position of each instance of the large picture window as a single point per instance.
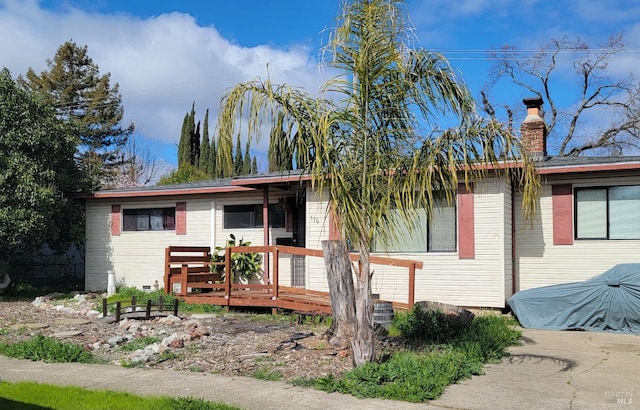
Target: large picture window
(149, 219)
(435, 235)
(608, 212)
(250, 216)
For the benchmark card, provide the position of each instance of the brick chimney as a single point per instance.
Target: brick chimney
(533, 130)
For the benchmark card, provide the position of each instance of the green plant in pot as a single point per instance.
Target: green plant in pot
(243, 265)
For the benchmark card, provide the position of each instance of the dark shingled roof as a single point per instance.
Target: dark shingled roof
(585, 161)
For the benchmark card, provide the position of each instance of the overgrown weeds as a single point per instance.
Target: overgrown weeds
(47, 349)
(445, 353)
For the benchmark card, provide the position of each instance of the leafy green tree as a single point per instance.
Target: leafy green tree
(375, 144)
(90, 102)
(39, 175)
(186, 173)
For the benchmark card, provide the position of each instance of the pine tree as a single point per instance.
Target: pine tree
(254, 166)
(88, 101)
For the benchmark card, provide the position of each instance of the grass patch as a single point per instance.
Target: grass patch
(445, 354)
(266, 373)
(139, 343)
(27, 395)
(48, 349)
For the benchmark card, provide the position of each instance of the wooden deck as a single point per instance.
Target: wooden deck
(294, 299)
(187, 271)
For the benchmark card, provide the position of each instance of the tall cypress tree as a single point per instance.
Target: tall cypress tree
(238, 162)
(246, 165)
(213, 169)
(205, 147)
(280, 155)
(183, 145)
(254, 166)
(194, 147)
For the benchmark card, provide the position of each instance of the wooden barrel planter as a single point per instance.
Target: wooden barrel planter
(382, 314)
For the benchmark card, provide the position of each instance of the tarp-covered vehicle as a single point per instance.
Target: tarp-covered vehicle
(606, 303)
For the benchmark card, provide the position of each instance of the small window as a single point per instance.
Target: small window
(149, 219)
(250, 216)
(435, 235)
(608, 212)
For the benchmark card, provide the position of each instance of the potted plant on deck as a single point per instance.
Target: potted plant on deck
(243, 265)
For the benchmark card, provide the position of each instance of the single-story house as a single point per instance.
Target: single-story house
(475, 253)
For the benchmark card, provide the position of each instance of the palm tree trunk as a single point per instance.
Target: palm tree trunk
(363, 343)
(341, 290)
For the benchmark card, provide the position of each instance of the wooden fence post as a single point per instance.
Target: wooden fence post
(118, 307)
(175, 307)
(148, 313)
(160, 303)
(104, 307)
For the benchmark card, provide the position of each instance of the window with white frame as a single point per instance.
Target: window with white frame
(149, 219)
(608, 212)
(250, 216)
(422, 235)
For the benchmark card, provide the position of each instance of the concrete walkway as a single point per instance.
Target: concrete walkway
(551, 370)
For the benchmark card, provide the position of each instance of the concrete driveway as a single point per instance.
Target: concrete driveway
(557, 370)
(550, 370)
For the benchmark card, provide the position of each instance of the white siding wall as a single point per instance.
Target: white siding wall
(540, 263)
(317, 231)
(137, 257)
(478, 282)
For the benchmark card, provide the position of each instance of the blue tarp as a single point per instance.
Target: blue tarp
(606, 303)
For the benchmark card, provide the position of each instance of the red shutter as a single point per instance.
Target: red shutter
(115, 220)
(181, 218)
(562, 202)
(466, 220)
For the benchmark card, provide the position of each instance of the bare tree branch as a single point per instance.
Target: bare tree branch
(597, 94)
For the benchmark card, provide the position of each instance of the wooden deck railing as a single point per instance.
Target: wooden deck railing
(189, 280)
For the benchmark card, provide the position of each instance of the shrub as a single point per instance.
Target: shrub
(429, 326)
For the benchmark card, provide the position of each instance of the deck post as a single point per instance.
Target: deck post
(184, 276)
(276, 259)
(228, 274)
(104, 307)
(412, 284)
(167, 270)
(266, 223)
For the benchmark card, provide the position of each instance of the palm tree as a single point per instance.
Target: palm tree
(371, 139)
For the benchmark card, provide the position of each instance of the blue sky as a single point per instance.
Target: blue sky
(167, 54)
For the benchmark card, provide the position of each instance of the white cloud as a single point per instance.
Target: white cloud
(162, 64)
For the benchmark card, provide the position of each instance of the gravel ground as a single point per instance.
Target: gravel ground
(231, 344)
